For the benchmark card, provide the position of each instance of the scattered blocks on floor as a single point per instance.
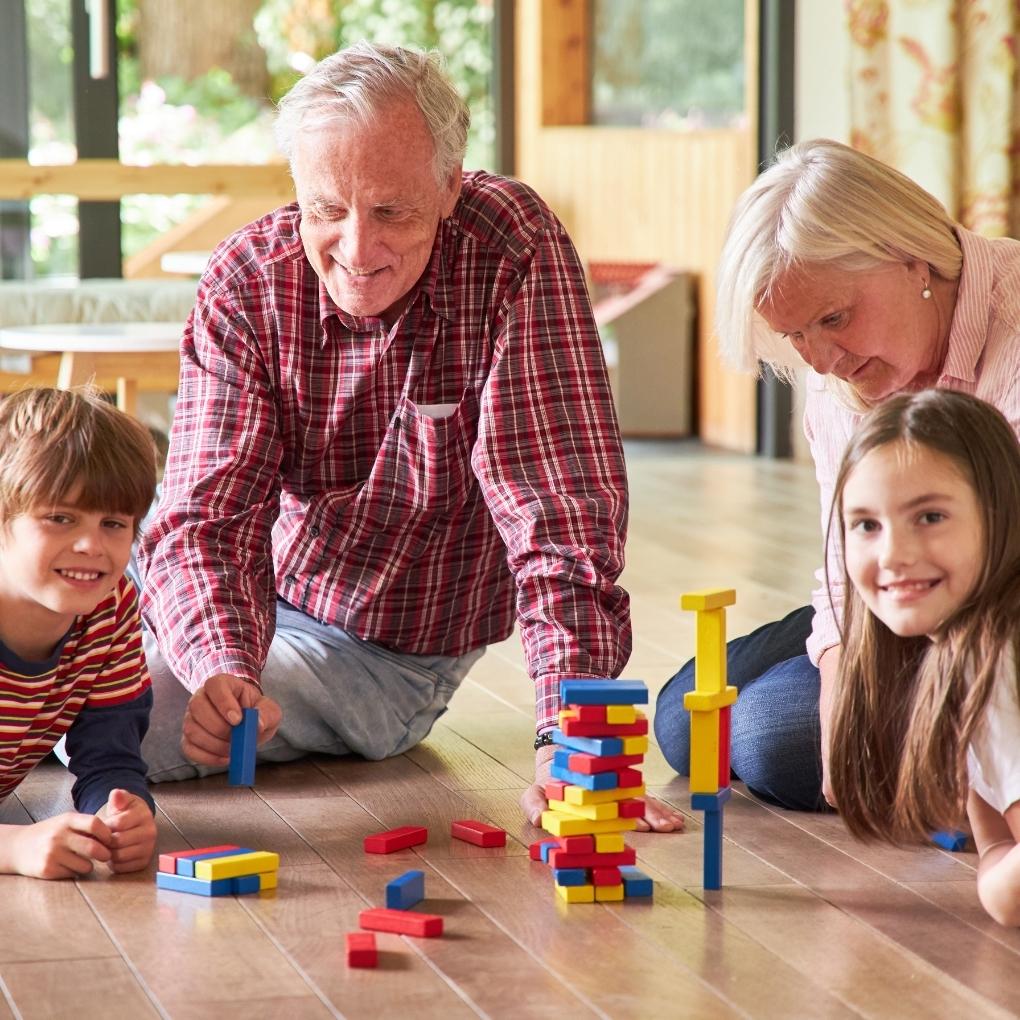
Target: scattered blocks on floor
(635, 882)
(243, 745)
(253, 863)
(953, 840)
(361, 949)
(401, 922)
(391, 840)
(478, 833)
(407, 890)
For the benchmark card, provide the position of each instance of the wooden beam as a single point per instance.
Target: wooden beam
(107, 179)
(566, 61)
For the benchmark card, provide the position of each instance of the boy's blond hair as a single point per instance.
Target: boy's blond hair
(55, 443)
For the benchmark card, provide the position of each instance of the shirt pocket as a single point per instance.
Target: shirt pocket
(425, 461)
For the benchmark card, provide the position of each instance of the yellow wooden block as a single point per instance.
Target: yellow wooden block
(635, 745)
(561, 825)
(697, 701)
(608, 893)
(579, 795)
(616, 714)
(710, 659)
(241, 864)
(597, 812)
(708, 598)
(577, 893)
(267, 880)
(610, 843)
(704, 752)
(567, 715)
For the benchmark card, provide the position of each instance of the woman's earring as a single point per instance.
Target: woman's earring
(926, 292)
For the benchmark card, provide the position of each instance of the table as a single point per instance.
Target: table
(184, 263)
(130, 354)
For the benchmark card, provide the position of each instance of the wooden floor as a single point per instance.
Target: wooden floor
(809, 924)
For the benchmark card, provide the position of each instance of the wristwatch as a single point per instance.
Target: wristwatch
(544, 739)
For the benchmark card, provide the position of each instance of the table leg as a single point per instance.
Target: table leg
(76, 369)
(127, 395)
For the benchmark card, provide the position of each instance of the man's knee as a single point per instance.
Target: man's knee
(673, 721)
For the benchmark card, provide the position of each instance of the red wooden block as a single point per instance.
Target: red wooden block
(724, 746)
(396, 839)
(361, 950)
(605, 876)
(168, 862)
(633, 808)
(582, 729)
(628, 777)
(561, 859)
(535, 850)
(578, 844)
(589, 764)
(554, 789)
(401, 922)
(588, 713)
(478, 833)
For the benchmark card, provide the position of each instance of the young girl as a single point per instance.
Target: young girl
(76, 477)
(927, 712)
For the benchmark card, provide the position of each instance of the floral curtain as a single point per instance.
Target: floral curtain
(934, 93)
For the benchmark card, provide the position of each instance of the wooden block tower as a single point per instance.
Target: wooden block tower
(595, 793)
(709, 705)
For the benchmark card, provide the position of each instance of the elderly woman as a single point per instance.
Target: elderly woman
(839, 262)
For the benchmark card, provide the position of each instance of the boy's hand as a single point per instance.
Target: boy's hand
(132, 828)
(658, 817)
(214, 709)
(65, 846)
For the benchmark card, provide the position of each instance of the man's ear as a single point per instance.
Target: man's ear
(451, 192)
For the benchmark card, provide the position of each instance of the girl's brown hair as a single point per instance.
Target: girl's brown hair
(55, 444)
(905, 708)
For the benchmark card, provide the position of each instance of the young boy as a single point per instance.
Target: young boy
(76, 477)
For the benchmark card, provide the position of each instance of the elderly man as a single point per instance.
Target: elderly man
(394, 434)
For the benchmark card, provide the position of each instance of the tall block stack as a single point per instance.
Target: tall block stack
(596, 790)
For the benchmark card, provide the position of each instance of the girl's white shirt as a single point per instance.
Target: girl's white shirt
(993, 758)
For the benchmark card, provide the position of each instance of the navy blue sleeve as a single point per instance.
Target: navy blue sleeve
(104, 745)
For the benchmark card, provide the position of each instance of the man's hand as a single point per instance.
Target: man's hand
(658, 817)
(65, 846)
(133, 830)
(214, 709)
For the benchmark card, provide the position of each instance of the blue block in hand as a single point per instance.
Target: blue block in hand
(603, 692)
(243, 742)
(407, 890)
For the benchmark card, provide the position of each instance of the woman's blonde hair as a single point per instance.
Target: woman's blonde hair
(906, 708)
(820, 203)
(55, 444)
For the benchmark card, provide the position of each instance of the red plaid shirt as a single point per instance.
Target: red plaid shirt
(415, 487)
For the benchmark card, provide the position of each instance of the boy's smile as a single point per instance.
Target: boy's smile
(57, 563)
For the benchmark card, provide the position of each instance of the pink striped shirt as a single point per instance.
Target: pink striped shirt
(420, 487)
(983, 359)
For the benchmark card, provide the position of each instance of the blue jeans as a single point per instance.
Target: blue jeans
(775, 732)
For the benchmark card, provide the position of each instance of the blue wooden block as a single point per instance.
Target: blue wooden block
(570, 876)
(243, 742)
(186, 865)
(243, 884)
(181, 883)
(407, 890)
(712, 869)
(548, 845)
(950, 839)
(711, 802)
(561, 759)
(635, 882)
(603, 692)
(598, 781)
(601, 747)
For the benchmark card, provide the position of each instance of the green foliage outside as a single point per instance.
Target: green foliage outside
(208, 119)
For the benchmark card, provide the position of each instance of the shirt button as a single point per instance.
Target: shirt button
(290, 579)
(314, 532)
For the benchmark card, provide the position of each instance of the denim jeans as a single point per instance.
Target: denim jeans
(339, 695)
(775, 732)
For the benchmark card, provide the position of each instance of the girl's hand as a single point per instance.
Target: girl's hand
(132, 828)
(65, 846)
(214, 709)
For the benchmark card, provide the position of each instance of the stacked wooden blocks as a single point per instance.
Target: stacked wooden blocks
(709, 705)
(595, 793)
(218, 871)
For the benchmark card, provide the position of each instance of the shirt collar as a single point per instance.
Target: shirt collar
(969, 329)
(434, 286)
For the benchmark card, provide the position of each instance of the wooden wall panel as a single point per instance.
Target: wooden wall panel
(631, 194)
